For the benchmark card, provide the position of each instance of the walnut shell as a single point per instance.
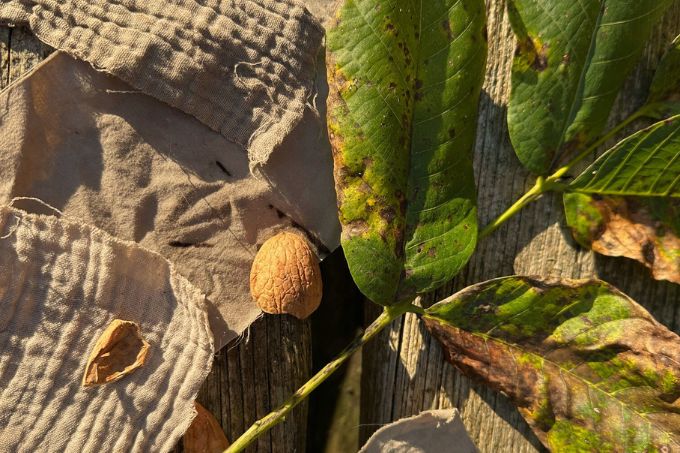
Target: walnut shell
(205, 434)
(119, 351)
(285, 277)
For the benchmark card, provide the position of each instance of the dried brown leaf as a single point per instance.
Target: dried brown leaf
(634, 227)
(118, 352)
(205, 434)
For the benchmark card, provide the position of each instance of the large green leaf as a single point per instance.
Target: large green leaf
(405, 78)
(664, 94)
(645, 164)
(589, 369)
(572, 59)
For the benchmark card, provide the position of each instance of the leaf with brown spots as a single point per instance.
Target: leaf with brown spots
(571, 62)
(119, 351)
(644, 229)
(589, 369)
(628, 202)
(405, 79)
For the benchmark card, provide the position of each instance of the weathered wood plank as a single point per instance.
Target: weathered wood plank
(4, 56)
(248, 378)
(403, 370)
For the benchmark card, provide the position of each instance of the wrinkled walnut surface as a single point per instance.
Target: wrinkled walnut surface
(285, 276)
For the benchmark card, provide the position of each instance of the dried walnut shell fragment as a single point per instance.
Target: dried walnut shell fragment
(205, 435)
(118, 352)
(285, 277)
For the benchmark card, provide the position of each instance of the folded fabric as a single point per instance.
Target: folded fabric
(88, 144)
(61, 284)
(433, 431)
(245, 68)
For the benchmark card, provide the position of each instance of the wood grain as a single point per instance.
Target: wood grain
(250, 377)
(403, 371)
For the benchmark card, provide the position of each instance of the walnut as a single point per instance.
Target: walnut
(285, 277)
(119, 351)
(205, 434)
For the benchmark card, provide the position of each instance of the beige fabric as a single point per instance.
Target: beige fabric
(435, 431)
(125, 162)
(61, 285)
(245, 68)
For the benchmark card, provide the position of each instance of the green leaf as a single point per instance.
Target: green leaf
(589, 369)
(405, 79)
(644, 229)
(571, 62)
(645, 164)
(664, 94)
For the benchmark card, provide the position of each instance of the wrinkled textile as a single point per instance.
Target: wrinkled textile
(61, 284)
(433, 431)
(86, 143)
(245, 68)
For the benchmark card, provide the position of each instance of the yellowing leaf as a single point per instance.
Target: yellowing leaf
(589, 369)
(405, 79)
(627, 203)
(644, 229)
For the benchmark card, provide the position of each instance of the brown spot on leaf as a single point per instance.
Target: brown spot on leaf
(119, 351)
(388, 214)
(446, 25)
(534, 53)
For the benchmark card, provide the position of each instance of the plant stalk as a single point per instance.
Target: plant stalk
(278, 415)
(552, 182)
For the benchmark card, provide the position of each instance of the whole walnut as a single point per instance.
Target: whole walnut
(285, 276)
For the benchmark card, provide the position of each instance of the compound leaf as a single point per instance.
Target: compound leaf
(404, 84)
(571, 62)
(588, 368)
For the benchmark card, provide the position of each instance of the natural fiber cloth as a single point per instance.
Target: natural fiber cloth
(143, 171)
(435, 431)
(245, 68)
(61, 285)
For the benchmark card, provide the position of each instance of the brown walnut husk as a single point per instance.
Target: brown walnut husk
(118, 352)
(285, 276)
(205, 434)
